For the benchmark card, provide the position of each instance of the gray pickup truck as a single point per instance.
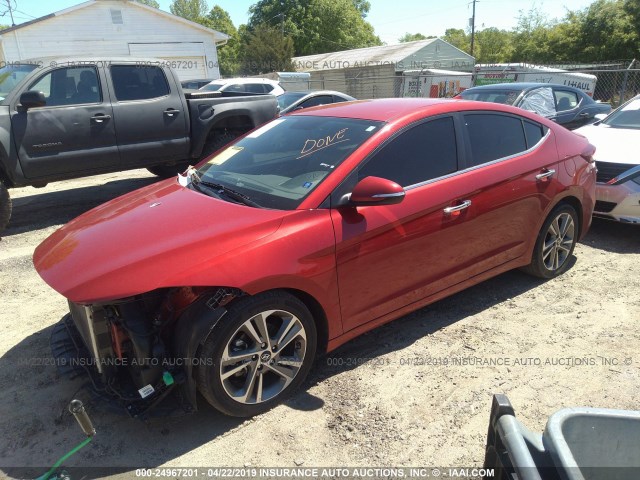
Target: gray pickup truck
(68, 118)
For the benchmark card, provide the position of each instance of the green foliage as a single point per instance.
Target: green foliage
(363, 6)
(265, 50)
(608, 31)
(193, 10)
(493, 45)
(412, 37)
(458, 38)
(228, 54)
(149, 3)
(317, 26)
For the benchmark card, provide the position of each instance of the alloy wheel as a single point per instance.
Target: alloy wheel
(263, 356)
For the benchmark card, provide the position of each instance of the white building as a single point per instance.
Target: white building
(116, 28)
(376, 72)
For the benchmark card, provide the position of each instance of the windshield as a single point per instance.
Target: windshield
(627, 116)
(286, 99)
(11, 75)
(279, 164)
(212, 87)
(508, 97)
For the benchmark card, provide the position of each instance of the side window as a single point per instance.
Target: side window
(69, 86)
(540, 101)
(494, 136)
(138, 83)
(236, 87)
(315, 101)
(254, 88)
(534, 133)
(267, 87)
(421, 153)
(565, 100)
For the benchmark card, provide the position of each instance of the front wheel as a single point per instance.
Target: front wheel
(555, 243)
(259, 353)
(5, 206)
(168, 171)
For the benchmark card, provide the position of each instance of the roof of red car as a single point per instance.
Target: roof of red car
(382, 109)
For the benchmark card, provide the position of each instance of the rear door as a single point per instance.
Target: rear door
(151, 121)
(472, 203)
(74, 132)
(572, 112)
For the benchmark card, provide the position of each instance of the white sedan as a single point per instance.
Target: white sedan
(617, 142)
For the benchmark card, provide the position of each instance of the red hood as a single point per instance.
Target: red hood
(155, 237)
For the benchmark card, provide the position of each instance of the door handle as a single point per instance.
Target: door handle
(457, 208)
(100, 118)
(584, 114)
(171, 112)
(545, 174)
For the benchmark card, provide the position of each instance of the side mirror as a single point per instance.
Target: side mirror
(32, 99)
(376, 191)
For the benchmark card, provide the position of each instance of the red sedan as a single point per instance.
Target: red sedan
(305, 233)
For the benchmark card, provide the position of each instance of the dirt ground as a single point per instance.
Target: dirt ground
(416, 392)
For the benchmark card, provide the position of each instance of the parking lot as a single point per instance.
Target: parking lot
(416, 392)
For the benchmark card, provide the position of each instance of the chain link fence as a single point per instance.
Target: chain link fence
(613, 85)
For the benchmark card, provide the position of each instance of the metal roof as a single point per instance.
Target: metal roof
(218, 35)
(363, 57)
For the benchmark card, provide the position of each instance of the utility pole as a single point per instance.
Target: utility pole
(473, 25)
(13, 24)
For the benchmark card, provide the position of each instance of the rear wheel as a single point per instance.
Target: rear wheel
(5, 206)
(555, 243)
(217, 142)
(259, 353)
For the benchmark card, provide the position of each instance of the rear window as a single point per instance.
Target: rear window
(494, 136)
(134, 82)
(507, 97)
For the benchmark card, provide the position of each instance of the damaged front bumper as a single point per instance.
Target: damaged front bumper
(141, 353)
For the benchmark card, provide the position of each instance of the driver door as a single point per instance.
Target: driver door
(73, 132)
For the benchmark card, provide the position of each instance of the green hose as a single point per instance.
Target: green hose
(63, 458)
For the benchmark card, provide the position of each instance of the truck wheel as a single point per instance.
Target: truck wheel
(218, 141)
(168, 171)
(5, 206)
(257, 355)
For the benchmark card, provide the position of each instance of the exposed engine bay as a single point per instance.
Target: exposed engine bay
(141, 350)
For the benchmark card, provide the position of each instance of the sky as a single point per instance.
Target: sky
(390, 18)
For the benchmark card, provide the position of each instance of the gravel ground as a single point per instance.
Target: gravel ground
(416, 392)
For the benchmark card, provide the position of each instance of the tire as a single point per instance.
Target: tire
(5, 206)
(255, 380)
(168, 171)
(555, 243)
(218, 141)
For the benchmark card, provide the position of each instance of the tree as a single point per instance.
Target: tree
(363, 6)
(530, 38)
(193, 10)
(316, 26)
(412, 37)
(228, 54)
(493, 45)
(609, 32)
(458, 38)
(266, 50)
(149, 3)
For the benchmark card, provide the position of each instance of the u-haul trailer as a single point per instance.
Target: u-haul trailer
(433, 83)
(488, 74)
